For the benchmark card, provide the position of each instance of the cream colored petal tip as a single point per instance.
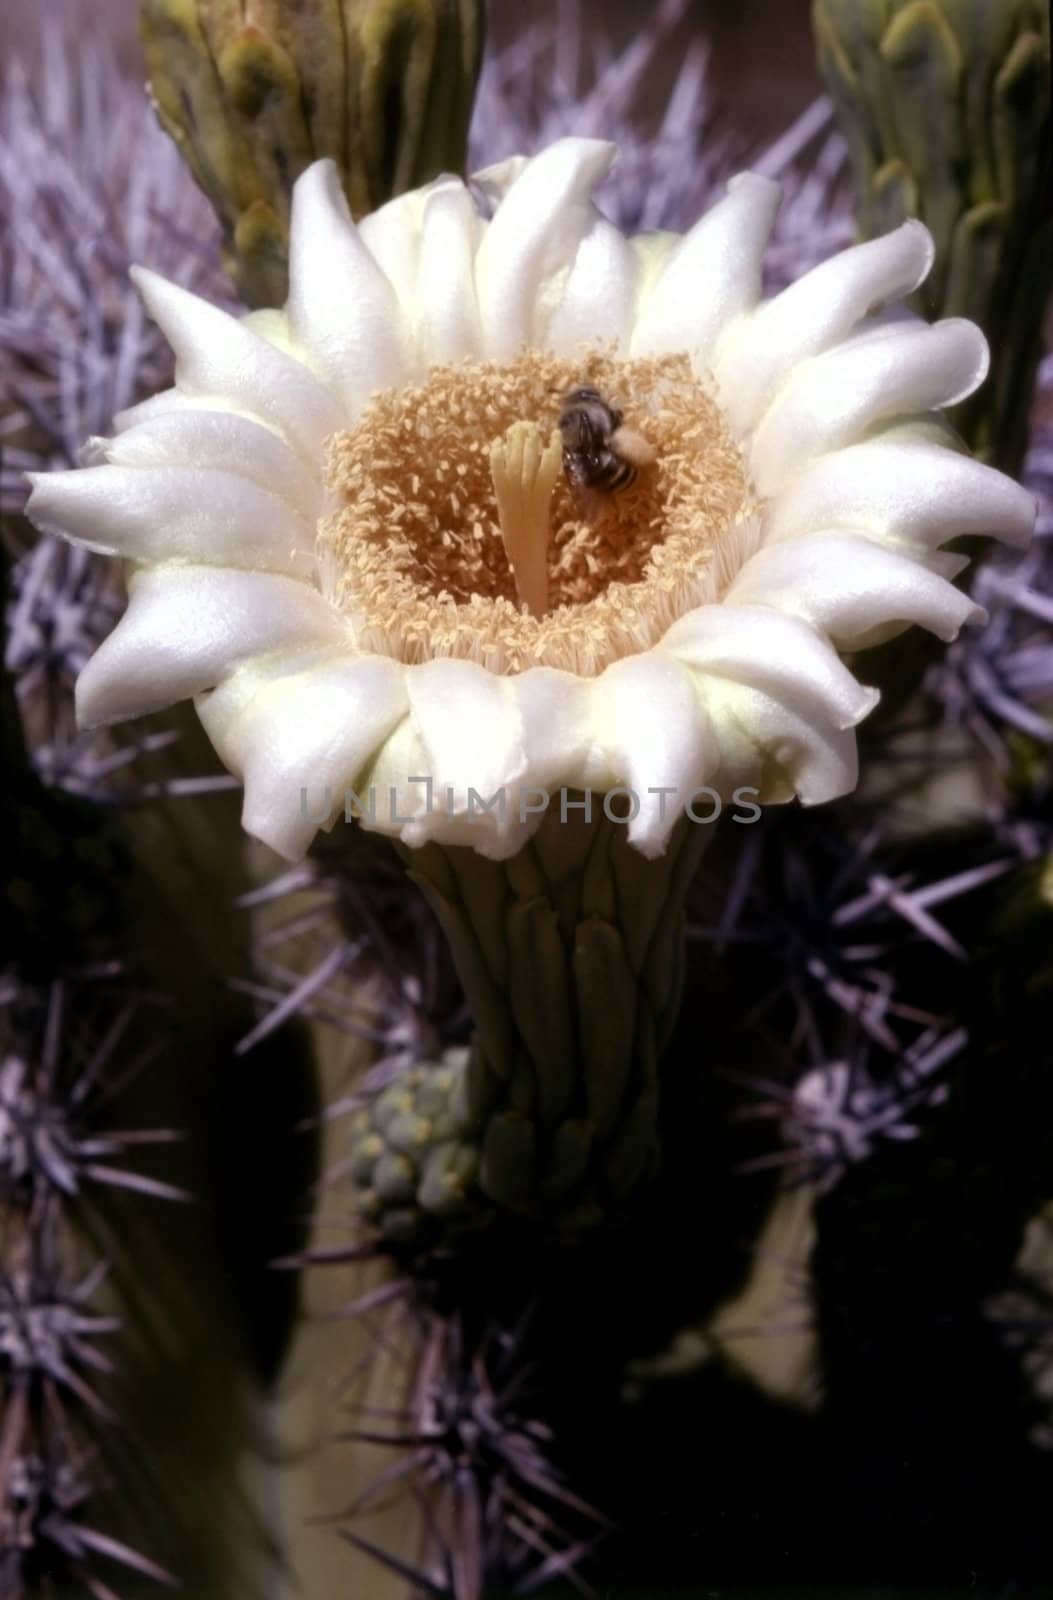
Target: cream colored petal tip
(711, 275)
(814, 313)
(300, 738)
(532, 241)
(911, 495)
(851, 588)
(186, 629)
(219, 357)
(182, 513)
(342, 307)
(651, 725)
(833, 399)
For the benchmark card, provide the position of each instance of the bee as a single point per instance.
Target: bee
(599, 453)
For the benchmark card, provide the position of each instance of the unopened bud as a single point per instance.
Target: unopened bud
(945, 108)
(253, 91)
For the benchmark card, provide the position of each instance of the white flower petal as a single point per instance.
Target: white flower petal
(814, 313)
(216, 355)
(653, 730)
(471, 731)
(557, 728)
(949, 564)
(652, 250)
(778, 654)
(833, 399)
(225, 710)
(186, 628)
(341, 306)
(300, 739)
(526, 254)
(174, 514)
(916, 494)
(272, 324)
(448, 325)
(778, 749)
(391, 234)
(399, 806)
(849, 588)
(174, 402)
(710, 275)
(495, 180)
(600, 294)
(554, 708)
(214, 439)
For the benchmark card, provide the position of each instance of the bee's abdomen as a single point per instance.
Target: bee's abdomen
(613, 474)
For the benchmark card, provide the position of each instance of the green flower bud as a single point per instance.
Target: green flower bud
(945, 106)
(253, 91)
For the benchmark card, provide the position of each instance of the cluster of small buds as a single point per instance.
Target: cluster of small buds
(415, 1152)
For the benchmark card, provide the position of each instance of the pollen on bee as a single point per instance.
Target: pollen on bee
(633, 447)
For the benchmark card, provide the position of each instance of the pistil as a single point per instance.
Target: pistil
(524, 470)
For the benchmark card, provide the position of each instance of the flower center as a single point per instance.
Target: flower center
(459, 533)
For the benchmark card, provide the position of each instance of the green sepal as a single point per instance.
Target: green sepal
(493, 1023)
(606, 997)
(568, 1160)
(507, 1170)
(633, 1148)
(539, 995)
(186, 90)
(925, 72)
(257, 257)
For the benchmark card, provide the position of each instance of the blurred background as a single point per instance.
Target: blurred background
(763, 68)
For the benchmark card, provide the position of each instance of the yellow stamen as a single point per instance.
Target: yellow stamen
(421, 577)
(524, 472)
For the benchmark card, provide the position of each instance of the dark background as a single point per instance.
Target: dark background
(763, 71)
